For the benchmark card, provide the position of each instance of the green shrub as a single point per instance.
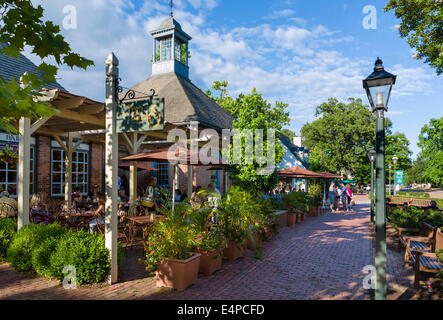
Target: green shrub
(433, 217)
(27, 240)
(41, 256)
(84, 251)
(8, 228)
(407, 218)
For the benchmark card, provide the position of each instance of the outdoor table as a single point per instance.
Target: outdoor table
(141, 221)
(71, 219)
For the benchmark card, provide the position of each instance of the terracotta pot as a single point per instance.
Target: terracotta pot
(178, 274)
(283, 220)
(210, 261)
(233, 251)
(269, 233)
(313, 211)
(298, 217)
(254, 242)
(291, 218)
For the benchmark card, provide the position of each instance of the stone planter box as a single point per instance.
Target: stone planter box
(178, 274)
(282, 216)
(210, 261)
(291, 219)
(233, 251)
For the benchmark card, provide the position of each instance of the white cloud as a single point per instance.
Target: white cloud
(280, 14)
(295, 64)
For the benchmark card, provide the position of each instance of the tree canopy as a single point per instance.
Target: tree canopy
(21, 26)
(340, 139)
(251, 111)
(431, 144)
(422, 24)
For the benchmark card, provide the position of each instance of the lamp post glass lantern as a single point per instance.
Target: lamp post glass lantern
(378, 86)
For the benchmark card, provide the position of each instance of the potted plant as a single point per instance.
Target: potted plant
(210, 244)
(270, 226)
(234, 215)
(9, 154)
(314, 199)
(290, 204)
(168, 251)
(209, 241)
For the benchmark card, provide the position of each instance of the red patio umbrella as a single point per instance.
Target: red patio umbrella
(297, 172)
(140, 166)
(178, 154)
(329, 175)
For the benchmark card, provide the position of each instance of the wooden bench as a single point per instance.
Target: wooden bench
(410, 201)
(426, 260)
(425, 234)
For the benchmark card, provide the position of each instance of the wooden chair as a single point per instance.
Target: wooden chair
(121, 229)
(6, 209)
(426, 260)
(425, 234)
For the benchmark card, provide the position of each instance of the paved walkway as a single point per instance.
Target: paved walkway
(321, 258)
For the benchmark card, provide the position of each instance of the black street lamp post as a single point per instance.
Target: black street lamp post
(372, 155)
(390, 166)
(378, 87)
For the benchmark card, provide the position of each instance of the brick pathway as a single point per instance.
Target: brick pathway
(321, 258)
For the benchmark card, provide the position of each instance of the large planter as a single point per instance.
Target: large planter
(210, 261)
(291, 219)
(233, 251)
(178, 274)
(299, 217)
(254, 242)
(313, 211)
(282, 220)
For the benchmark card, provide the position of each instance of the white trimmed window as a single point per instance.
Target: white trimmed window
(9, 176)
(80, 171)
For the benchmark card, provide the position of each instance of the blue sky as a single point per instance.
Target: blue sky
(298, 52)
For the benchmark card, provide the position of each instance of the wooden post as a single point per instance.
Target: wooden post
(68, 172)
(190, 179)
(24, 154)
(133, 172)
(111, 166)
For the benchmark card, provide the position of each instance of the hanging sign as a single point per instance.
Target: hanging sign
(399, 177)
(142, 115)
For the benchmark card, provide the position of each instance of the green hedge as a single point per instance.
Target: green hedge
(27, 240)
(8, 228)
(47, 249)
(412, 217)
(86, 252)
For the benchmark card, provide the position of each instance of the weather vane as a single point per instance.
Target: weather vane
(171, 4)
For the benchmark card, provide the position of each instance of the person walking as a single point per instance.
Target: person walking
(343, 196)
(349, 196)
(332, 195)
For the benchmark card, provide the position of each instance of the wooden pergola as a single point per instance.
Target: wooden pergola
(84, 119)
(74, 114)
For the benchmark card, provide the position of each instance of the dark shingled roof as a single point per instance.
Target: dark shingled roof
(11, 67)
(184, 102)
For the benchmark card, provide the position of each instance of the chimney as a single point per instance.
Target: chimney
(297, 141)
